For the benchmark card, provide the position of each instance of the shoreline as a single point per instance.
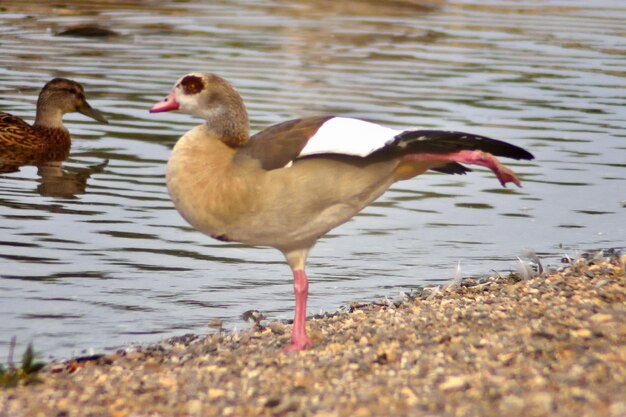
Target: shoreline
(550, 345)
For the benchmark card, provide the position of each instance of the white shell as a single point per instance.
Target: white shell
(343, 135)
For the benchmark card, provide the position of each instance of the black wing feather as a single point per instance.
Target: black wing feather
(452, 168)
(442, 141)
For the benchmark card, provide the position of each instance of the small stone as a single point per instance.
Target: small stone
(216, 324)
(601, 318)
(277, 328)
(194, 407)
(215, 393)
(584, 333)
(454, 383)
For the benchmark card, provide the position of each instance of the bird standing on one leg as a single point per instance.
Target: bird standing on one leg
(293, 182)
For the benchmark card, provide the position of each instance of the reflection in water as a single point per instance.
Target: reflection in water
(55, 182)
(543, 75)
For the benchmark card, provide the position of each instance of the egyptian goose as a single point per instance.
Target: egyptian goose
(57, 97)
(293, 182)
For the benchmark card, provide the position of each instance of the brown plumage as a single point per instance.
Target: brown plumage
(12, 158)
(293, 182)
(58, 96)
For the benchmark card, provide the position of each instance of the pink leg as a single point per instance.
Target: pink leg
(481, 158)
(299, 339)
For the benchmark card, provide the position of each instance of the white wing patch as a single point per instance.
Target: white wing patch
(342, 135)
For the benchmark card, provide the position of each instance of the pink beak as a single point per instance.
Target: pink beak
(169, 103)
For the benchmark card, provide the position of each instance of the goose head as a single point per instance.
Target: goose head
(211, 98)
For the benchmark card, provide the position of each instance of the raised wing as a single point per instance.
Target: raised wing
(346, 136)
(281, 144)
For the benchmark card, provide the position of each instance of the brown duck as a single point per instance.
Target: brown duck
(293, 182)
(58, 96)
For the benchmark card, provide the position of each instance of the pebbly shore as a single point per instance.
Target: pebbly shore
(551, 345)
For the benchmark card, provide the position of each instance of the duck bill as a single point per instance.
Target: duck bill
(169, 103)
(89, 111)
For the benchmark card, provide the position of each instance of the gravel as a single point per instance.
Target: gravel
(552, 345)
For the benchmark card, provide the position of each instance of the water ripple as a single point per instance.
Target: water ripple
(93, 253)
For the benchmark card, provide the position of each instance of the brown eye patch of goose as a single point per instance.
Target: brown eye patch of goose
(192, 84)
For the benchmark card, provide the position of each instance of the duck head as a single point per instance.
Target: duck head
(65, 96)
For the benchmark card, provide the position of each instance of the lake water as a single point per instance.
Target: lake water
(93, 256)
